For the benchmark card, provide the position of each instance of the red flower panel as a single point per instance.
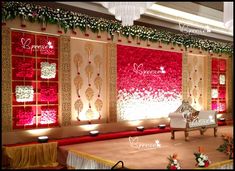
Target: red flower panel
(47, 46)
(22, 43)
(55, 43)
(219, 79)
(23, 117)
(48, 93)
(23, 68)
(222, 65)
(215, 64)
(16, 45)
(48, 116)
(222, 92)
(214, 106)
(215, 78)
(222, 106)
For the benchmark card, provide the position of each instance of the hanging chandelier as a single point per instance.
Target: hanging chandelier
(127, 12)
(228, 15)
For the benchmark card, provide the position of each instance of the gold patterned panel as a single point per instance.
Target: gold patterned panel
(112, 65)
(65, 80)
(200, 84)
(6, 81)
(78, 82)
(98, 61)
(185, 73)
(89, 71)
(93, 94)
(89, 49)
(98, 104)
(78, 105)
(229, 85)
(89, 114)
(98, 82)
(78, 61)
(197, 81)
(89, 93)
(208, 69)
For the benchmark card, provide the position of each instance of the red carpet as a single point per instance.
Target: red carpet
(106, 136)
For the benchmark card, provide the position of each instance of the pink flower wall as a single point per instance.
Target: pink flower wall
(148, 82)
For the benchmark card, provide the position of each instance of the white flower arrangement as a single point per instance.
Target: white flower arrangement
(173, 163)
(214, 93)
(24, 93)
(222, 79)
(176, 164)
(202, 160)
(48, 70)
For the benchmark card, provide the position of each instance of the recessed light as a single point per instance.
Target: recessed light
(162, 126)
(43, 139)
(140, 128)
(94, 133)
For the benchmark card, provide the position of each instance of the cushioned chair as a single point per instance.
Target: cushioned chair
(186, 119)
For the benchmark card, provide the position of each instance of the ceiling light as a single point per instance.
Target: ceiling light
(127, 12)
(228, 15)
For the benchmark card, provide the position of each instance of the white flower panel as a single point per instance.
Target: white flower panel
(214, 93)
(24, 93)
(222, 79)
(48, 70)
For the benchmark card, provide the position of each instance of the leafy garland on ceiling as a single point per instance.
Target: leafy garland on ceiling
(72, 20)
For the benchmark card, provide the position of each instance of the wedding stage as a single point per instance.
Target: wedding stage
(152, 150)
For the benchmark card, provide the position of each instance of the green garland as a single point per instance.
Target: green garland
(72, 20)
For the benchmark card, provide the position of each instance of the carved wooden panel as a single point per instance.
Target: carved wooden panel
(197, 82)
(65, 80)
(89, 86)
(6, 81)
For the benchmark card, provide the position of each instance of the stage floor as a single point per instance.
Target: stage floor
(145, 154)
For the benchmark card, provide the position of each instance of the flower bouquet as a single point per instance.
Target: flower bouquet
(173, 162)
(227, 146)
(201, 159)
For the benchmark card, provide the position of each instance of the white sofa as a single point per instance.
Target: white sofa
(186, 119)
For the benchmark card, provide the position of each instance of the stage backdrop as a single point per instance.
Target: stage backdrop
(149, 83)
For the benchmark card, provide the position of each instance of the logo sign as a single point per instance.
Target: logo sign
(47, 49)
(139, 69)
(185, 29)
(134, 143)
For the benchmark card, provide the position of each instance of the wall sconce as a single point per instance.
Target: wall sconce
(162, 126)
(94, 133)
(43, 139)
(140, 128)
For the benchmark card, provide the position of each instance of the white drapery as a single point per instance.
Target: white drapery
(79, 160)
